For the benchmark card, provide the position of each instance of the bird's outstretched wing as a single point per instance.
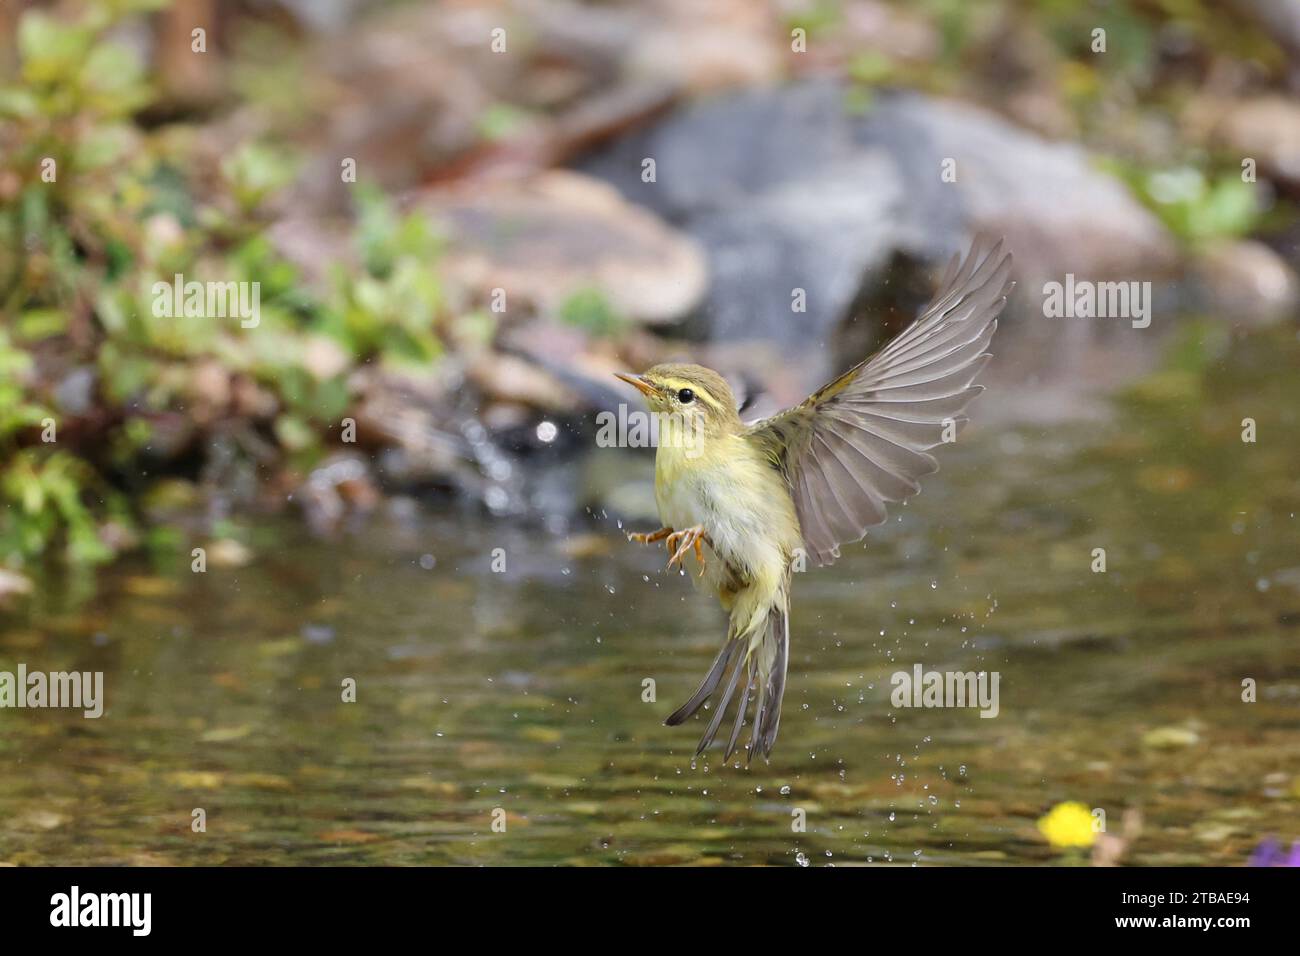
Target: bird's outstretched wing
(863, 439)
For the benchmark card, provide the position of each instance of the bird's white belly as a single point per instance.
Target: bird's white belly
(684, 506)
(736, 515)
(680, 506)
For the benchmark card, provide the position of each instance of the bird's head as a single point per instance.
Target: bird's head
(699, 396)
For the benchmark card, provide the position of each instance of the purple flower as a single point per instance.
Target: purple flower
(1270, 853)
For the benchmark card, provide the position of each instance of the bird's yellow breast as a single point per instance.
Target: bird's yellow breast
(729, 488)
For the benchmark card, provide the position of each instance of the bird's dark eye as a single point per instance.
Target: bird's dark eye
(686, 396)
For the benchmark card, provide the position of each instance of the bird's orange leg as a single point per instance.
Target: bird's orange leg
(681, 543)
(649, 537)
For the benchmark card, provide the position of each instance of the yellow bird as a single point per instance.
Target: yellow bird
(747, 498)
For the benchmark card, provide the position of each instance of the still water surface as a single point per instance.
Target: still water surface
(524, 690)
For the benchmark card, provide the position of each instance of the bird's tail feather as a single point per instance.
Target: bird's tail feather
(762, 654)
(776, 649)
(710, 683)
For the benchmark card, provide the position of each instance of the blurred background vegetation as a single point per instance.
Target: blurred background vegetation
(168, 159)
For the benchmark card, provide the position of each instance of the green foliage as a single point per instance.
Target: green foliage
(86, 255)
(818, 18)
(501, 121)
(1205, 209)
(1157, 57)
(590, 310)
(41, 494)
(255, 171)
(391, 308)
(17, 410)
(44, 502)
(1196, 207)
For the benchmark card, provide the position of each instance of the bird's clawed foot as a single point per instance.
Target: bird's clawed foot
(649, 537)
(681, 542)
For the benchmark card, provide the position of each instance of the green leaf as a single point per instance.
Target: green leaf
(37, 324)
(590, 310)
(50, 48)
(112, 80)
(294, 433)
(501, 120)
(17, 103)
(254, 171)
(103, 146)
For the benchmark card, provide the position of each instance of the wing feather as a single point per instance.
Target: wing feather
(862, 441)
(839, 512)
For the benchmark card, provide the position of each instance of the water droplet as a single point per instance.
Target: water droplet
(496, 499)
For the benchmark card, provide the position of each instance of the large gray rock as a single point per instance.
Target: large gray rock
(825, 237)
(789, 189)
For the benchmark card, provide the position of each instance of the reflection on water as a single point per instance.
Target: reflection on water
(523, 690)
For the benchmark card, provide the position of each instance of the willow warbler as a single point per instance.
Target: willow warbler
(748, 499)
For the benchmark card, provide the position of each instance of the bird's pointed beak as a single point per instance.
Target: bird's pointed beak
(637, 381)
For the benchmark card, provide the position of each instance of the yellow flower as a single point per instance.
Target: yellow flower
(1068, 825)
